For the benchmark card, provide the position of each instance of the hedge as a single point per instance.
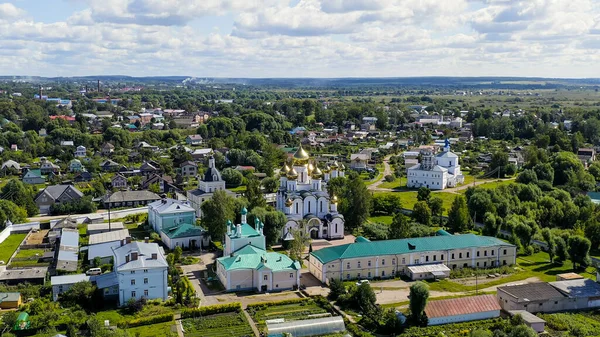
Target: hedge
(263, 305)
(211, 310)
(147, 320)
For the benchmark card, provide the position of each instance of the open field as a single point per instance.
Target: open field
(8, 247)
(220, 325)
(154, 330)
(29, 253)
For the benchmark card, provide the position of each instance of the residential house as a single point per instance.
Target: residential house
(81, 151)
(102, 244)
(56, 194)
(165, 183)
(465, 309)
(193, 140)
(144, 145)
(586, 155)
(42, 132)
(390, 258)
(188, 169)
(61, 284)
(67, 143)
(14, 147)
(47, 167)
(109, 166)
(359, 161)
(75, 166)
(130, 199)
(107, 149)
(176, 222)
(119, 182)
(210, 182)
(148, 168)
(141, 271)
(82, 177)
(11, 167)
(200, 154)
(246, 265)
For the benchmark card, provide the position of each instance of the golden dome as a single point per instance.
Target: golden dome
(289, 202)
(335, 165)
(301, 154)
(342, 167)
(311, 167)
(285, 169)
(317, 173)
(292, 174)
(334, 200)
(327, 169)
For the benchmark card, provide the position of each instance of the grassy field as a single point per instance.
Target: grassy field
(8, 247)
(537, 265)
(294, 311)
(386, 219)
(221, 325)
(29, 253)
(239, 189)
(396, 184)
(154, 330)
(409, 199)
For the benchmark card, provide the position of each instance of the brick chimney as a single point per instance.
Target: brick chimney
(127, 259)
(147, 239)
(154, 256)
(128, 240)
(134, 256)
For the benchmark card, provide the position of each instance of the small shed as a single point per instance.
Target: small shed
(308, 327)
(10, 300)
(530, 319)
(429, 271)
(462, 309)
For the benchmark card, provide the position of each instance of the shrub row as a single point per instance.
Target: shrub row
(211, 310)
(147, 320)
(355, 330)
(263, 305)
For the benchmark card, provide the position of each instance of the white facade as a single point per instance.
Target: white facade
(141, 271)
(436, 172)
(208, 184)
(303, 197)
(80, 151)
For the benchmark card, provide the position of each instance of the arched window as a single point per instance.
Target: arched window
(297, 209)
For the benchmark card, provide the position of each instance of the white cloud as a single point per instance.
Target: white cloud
(317, 38)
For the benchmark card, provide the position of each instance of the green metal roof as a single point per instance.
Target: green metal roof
(251, 257)
(184, 230)
(247, 231)
(403, 246)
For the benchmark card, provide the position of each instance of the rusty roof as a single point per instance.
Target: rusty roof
(462, 306)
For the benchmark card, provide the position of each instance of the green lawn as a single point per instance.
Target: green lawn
(396, 184)
(537, 265)
(385, 219)
(154, 330)
(239, 189)
(221, 325)
(409, 199)
(8, 247)
(29, 263)
(29, 253)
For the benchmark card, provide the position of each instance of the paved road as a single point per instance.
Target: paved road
(114, 214)
(386, 171)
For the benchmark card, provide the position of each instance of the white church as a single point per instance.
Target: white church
(436, 172)
(303, 197)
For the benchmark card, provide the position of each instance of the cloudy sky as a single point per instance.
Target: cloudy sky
(300, 38)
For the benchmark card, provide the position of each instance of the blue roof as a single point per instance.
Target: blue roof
(69, 238)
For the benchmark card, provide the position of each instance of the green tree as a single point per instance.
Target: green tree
(270, 184)
(592, 232)
(356, 204)
(12, 212)
(336, 186)
(154, 188)
(421, 213)
(579, 250)
(561, 250)
(254, 194)
(81, 293)
(423, 194)
(216, 212)
(524, 233)
(400, 227)
(299, 244)
(491, 224)
(549, 238)
(21, 195)
(436, 205)
(233, 178)
(336, 289)
(458, 216)
(500, 162)
(522, 331)
(419, 293)
(177, 252)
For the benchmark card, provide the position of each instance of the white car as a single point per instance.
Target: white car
(362, 281)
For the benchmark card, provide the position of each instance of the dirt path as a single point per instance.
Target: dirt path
(386, 171)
